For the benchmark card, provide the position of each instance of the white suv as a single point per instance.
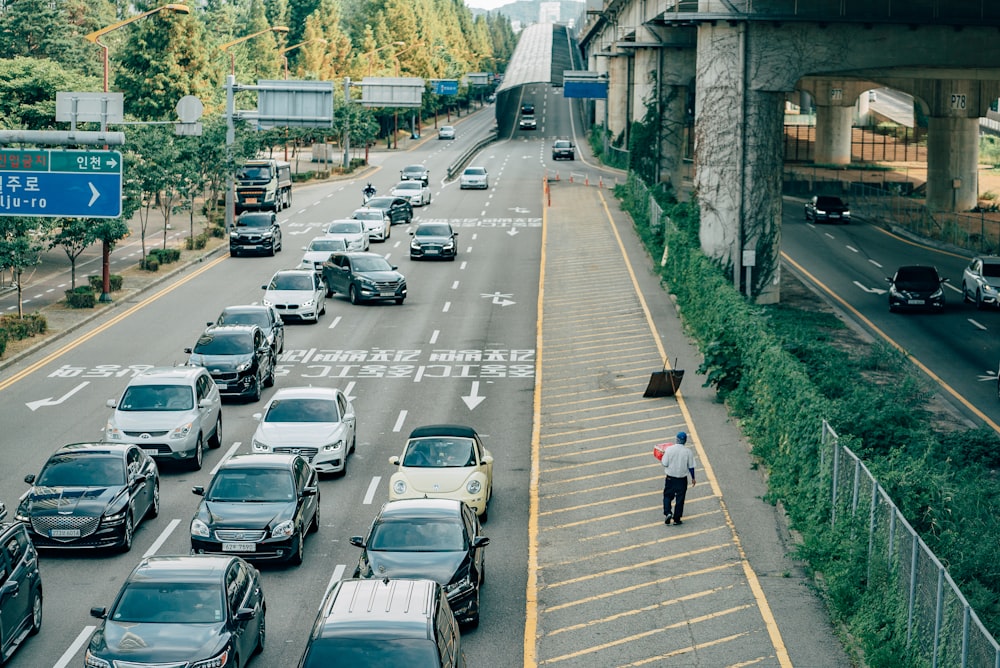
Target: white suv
(170, 412)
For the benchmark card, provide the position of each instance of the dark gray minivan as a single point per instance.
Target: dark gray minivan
(20, 587)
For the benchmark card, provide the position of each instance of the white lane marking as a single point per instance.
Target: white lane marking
(462, 265)
(875, 263)
(74, 648)
(434, 336)
(229, 453)
(828, 235)
(482, 213)
(372, 486)
(400, 419)
(468, 249)
(161, 539)
(418, 376)
(977, 325)
(952, 287)
(336, 321)
(447, 307)
(454, 286)
(338, 573)
(475, 236)
(348, 389)
(853, 249)
(50, 290)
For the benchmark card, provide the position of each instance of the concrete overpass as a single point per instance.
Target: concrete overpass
(722, 70)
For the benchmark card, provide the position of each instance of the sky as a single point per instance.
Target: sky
(486, 4)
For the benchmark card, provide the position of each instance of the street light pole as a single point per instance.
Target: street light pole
(232, 56)
(95, 38)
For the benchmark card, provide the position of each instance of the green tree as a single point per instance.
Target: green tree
(22, 239)
(150, 155)
(28, 89)
(35, 29)
(74, 235)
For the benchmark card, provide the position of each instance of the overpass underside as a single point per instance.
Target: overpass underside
(739, 61)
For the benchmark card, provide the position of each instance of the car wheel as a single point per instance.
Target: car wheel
(281, 346)
(399, 300)
(233, 253)
(199, 455)
(965, 293)
(36, 613)
(354, 442)
(257, 383)
(388, 232)
(261, 632)
(128, 533)
(314, 527)
(154, 505)
(473, 618)
(269, 380)
(352, 294)
(215, 440)
(300, 548)
(281, 245)
(484, 518)
(273, 250)
(979, 299)
(322, 310)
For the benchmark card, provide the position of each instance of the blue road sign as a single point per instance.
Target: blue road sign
(586, 89)
(445, 86)
(65, 184)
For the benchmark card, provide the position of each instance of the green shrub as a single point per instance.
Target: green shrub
(197, 242)
(166, 255)
(3, 342)
(81, 297)
(97, 283)
(150, 263)
(17, 328)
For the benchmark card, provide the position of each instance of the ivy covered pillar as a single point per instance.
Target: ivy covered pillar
(738, 155)
(675, 102)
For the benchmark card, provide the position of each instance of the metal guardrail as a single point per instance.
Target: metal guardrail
(463, 159)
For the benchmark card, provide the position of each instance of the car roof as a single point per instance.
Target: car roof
(166, 374)
(344, 220)
(413, 168)
(247, 308)
(374, 209)
(306, 392)
(372, 608)
(443, 430)
(357, 254)
(260, 461)
(182, 568)
(421, 508)
(916, 271)
(309, 272)
(247, 328)
(95, 447)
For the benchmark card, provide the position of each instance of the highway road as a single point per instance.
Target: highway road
(959, 348)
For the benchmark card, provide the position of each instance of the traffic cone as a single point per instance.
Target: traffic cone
(600, 182)
(586, 180)
(557, 175)
(571, 177)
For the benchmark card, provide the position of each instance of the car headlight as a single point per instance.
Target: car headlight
(234, 235)
(182, 431)
(367, 282)
(115, 515)
(449, 244)
(399, 487)
(283, 530)
(267, 302)
(937, 293)
(91, 661)
(258, 446)
(199, 528)
(21, 514)
(111, 432)
(458, 585)
(309, 302)
(473, 486)
(332, 447)
(218, 661)
(243, 367)
(415, 245)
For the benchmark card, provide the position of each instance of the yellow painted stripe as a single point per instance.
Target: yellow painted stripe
(27, 371)
(640, 565)
(632, 546)
(765, 609)
(686, 650)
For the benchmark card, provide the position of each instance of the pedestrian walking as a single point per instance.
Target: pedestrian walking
(678, 464)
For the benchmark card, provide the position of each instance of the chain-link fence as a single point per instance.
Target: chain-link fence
(941, 627)
(647, 206)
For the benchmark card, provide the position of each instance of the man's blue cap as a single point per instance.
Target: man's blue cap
(682, 437)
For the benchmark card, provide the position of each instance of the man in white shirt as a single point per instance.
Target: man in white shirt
(678, 463)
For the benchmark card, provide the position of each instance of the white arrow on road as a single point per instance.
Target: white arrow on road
(512, 231)
(35, 405)
(517, 209)
(94, 194)
(499, 299)
(871, 291)
(473, 399)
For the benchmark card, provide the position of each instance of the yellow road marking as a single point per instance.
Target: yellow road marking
(686, 650)
(632, 567)
(633, 546)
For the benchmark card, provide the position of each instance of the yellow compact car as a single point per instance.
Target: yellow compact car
(444, 461)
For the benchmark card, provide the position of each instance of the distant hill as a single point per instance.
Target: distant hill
(528, 11)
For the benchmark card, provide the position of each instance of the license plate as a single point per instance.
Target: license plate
(915, 302)
(387, 294)
(151, 451)
(251, 200)
(239, 547)
(64, 533)
(835, 215)
(431, 251)
(222, 386)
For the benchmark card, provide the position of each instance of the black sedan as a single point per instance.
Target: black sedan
(91, 495)
(239, 357)
(193, 610)
(256, 232)
(827, 208)
(434, 539)
(263, 316)
(916, 287)
(398, 209)
(258, 506)
(432, 240)
(415, 173)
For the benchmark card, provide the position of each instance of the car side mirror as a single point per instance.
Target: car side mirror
(309, 491)
(245, 614)
(188, 351)
(357, 541)
(411, 233)
(10, 589)
(488, 459)
(394, 267)
(394, 460)
(263, 287)
(209, 323)
(481, 541)
(139, 480)
(98, 612)
(305, 248)
(888, 280)
(199, 490)
(205, 403)
(112, 403)
(30, 478)
(257, 416)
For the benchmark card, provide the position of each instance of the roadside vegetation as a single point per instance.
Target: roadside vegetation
(781, 372)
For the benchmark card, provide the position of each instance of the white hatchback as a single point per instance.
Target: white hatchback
(474, 177)
(296, 293)
(350, 230)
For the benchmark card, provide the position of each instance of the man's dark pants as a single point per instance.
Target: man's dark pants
(674, 491)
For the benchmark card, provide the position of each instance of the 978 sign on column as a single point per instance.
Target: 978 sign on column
(60, 184)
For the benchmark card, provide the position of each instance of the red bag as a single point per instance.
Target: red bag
(658, 450)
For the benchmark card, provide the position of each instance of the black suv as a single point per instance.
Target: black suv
(363, 277)
(563, 149)
(239, 357)
(398, 209)
(827, 208)
(433, 240)
(528, 108)
(385, 622)
(256, 232)
(20, 587)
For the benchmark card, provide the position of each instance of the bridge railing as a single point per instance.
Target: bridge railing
(941, 627)
(972, 12)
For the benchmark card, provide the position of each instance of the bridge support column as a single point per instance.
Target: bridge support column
(833, 134)
(738, 143)
(618, 91)
(678, 74)
(952, 163)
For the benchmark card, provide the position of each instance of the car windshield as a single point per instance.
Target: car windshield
(302, 410)
(829, 201)
(255, 173)
(409, 185)
(380, 203)
(258, 318)
(157, 398)
(440, 453)
(371, 264)
(368, 215)
(291, 282)
(434, 231)
(344, 228)
(413, 169)
(991, 269)
(475, 171)
(562, 144)
(78, 470)
(254, 220)
(250, 486)
(170, 603)
(374, 649)
(327, 245)
(417, 535)
(917, 278)
(224, 343)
